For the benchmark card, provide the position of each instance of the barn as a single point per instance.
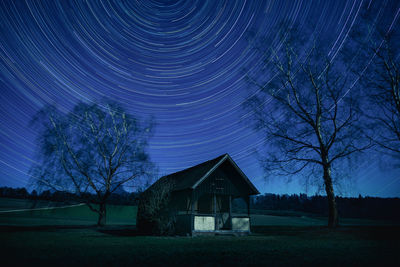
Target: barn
(198, 200)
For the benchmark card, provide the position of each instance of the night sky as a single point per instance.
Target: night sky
(179, 61)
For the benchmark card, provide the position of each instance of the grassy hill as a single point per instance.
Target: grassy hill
(68, 236)
(52, 213)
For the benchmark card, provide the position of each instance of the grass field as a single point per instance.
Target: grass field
(68, 236)
(77, 215)
(16, 204)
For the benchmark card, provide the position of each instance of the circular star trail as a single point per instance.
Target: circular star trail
(182, 62)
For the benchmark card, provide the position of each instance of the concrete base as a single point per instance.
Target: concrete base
(221, 233)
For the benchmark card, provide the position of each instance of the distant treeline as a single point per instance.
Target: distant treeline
(349, 207)
(120, 198)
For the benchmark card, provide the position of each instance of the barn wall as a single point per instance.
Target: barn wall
(181, 200)
(225, 180)
(183, 224)
(238, 182)
(205, 204)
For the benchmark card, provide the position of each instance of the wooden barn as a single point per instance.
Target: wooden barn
(199, 200)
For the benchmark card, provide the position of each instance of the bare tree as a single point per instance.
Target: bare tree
(91, 151)
(377, 64)
(384, 95)
(308, 114)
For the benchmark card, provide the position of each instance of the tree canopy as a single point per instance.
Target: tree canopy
(305, 107)
(93, 148)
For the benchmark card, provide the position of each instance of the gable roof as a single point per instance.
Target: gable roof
(191, 177)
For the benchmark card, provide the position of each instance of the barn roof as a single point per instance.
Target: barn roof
(191, 177)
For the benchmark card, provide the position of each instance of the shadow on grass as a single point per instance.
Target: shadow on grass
(363, 232)
(41, 228)
(310, 232)
(113, 230)
(121, 231)
(286, 230)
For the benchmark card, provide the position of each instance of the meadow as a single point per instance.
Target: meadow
(68, 236)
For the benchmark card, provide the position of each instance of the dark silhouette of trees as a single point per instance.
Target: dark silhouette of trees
(281, 205)
(383, 92)
(91, 151)
(14, 192)
(306, 111)
(119, 197)
(349, 207)
(377, 64)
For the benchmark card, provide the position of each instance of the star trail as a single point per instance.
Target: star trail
(181, 62)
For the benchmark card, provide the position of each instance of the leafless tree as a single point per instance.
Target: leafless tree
(383, 95)
(91, 151)
(308, 115)
(377, 64)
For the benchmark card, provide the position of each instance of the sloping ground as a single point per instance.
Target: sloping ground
(18, 204)
(258, 220)
(67, 236)
(272, 220)
(61, 215)
(53, 213)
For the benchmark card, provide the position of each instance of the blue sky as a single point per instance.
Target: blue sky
(179, 61)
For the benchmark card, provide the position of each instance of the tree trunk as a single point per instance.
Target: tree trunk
(333, 219)
(102, 214)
